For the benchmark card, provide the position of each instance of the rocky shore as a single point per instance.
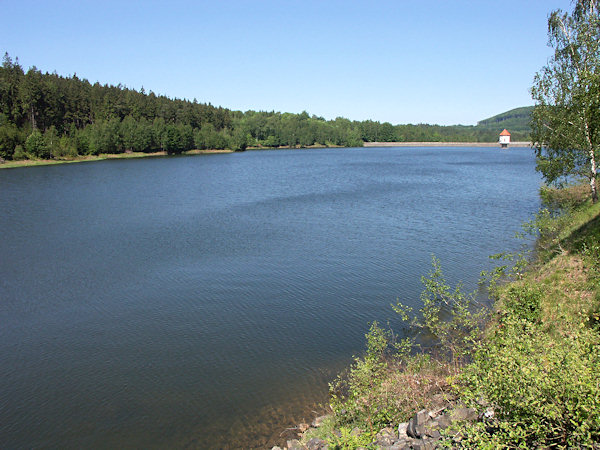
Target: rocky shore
(422, 432)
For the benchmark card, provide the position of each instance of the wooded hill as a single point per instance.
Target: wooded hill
(45, 115)
(515, 120)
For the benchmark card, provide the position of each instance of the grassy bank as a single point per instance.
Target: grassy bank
(100, 157)
(528, 365)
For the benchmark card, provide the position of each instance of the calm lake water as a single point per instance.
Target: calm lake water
(205, 302)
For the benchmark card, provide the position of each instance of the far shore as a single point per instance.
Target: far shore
(444, 144)
(100, 157)
(105, 156)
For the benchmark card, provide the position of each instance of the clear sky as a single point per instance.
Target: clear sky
(401, 61)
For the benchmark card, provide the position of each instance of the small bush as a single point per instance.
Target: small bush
(523, 301)
(453, 318)
(355, 395)
(350, 440)
(545, 389)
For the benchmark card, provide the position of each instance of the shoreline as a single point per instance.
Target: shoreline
(446, 144)
(106, 156)
(101, 157)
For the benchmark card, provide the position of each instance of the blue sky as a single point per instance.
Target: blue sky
(403, 61)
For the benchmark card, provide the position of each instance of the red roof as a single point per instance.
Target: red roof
(505, 133)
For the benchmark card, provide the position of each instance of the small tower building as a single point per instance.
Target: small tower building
(504, 138)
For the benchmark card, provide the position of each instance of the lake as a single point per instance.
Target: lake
(206, 301)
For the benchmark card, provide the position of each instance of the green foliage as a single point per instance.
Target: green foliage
(324, 431)
(349, 440)
(565, 120)
(523, 301)
(517, 263)
(36, 145)
(537, 366)
(10, 137)
(378, 389)
(354, 396)
(20, 154)
(452, 317)
(545, 389)
(171, 140)
(515, 120)
(114, 119)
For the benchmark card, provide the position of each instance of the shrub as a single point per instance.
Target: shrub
(545, 389)
(523, 301)
(454, 319)
(355, 395)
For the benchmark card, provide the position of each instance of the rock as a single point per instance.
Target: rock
(355, 431)
(432, 429)
(429, 444)
(469, 414)
(302, 427)
(416, 425)
(316, 444)
(402, 431)
(319, 421)
(418, 445)
(434, 434)
(294, 444)
(276, 448)
(442, 422)
(423, 444)
(402, 444)
(385, 437)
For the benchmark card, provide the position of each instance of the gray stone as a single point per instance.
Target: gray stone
(294, 444)
(423, 444)
(429, 444)
(385, 437)
(434, 434)
(402, 444)
(402, 430)
(442, 422)
(316, 444)
(276, 448)
(416, 425)
(469, 414)
(418, 445)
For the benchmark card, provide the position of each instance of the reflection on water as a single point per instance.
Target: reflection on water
(207, 301)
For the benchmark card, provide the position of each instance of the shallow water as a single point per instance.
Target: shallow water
(206, 301)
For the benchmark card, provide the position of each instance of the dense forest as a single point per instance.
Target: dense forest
(46, 115)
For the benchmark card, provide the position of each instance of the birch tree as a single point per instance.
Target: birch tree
(566, 118)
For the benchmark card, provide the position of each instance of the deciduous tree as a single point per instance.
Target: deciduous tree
(566, 118)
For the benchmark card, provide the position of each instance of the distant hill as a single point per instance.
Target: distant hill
(515, 120)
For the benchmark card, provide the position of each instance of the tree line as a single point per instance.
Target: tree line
(45, 115)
